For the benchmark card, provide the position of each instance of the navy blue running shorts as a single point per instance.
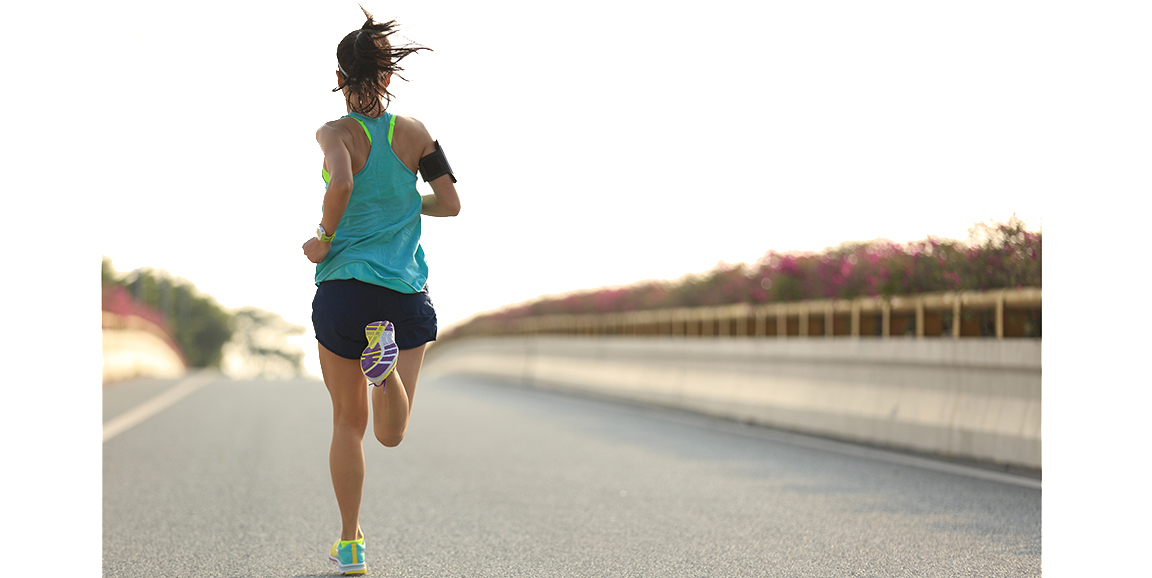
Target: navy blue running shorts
(342, 308)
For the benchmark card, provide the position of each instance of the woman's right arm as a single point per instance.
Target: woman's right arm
(335, 143)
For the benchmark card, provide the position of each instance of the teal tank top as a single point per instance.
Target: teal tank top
(378, 238)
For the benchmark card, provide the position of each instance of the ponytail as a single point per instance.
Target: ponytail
(365, 58)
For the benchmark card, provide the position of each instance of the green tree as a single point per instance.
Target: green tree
(198, 324)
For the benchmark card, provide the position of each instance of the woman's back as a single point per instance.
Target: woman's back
(379, 233)
(410, 141)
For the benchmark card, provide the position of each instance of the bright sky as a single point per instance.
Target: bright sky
(597, 143)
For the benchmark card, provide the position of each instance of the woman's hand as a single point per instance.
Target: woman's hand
(316, 250)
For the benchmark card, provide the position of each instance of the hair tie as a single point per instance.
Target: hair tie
(347, 79)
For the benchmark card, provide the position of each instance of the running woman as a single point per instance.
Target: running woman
(371, 313)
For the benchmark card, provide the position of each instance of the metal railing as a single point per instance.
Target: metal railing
(999, 313)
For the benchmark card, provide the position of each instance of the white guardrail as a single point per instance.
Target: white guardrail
(133, 347)
(969, 398)
(998, 313)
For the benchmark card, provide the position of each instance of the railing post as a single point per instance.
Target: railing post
(919, 317)
(781, 321)
(803, 320)
(1000, 314)
(885, 319)
(856, 317)
(956, 316)
(829, 319)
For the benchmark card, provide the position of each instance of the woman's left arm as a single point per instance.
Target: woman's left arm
(443, 202)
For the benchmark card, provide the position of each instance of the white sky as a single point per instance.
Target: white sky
(596, 143)
(600, 143)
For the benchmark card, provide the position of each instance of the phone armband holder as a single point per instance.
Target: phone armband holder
(435, 165)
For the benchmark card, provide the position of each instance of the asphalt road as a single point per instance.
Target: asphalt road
(494, 480)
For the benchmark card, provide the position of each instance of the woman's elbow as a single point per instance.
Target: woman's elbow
(340, 186)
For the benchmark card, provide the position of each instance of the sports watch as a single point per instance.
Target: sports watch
(323, 235)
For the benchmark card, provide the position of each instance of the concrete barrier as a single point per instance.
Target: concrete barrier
(134, 348)
(968, 398)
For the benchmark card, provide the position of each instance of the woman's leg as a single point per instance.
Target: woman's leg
(348, 388)
(392, 404)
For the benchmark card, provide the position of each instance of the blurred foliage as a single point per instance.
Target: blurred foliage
(259, 345)
(995, 255)
(196, 322)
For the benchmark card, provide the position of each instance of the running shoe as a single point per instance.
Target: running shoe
(379, 359)
(349, 556)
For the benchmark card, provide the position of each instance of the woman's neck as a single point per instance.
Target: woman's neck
(353, 105)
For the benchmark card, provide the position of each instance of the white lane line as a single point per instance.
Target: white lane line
(134, 416)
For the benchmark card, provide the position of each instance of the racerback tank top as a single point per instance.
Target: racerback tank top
(378, 238)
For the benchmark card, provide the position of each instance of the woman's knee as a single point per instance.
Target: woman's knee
(388, 439)
(354, 419)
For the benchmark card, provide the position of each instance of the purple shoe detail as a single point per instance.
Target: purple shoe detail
(379, 358)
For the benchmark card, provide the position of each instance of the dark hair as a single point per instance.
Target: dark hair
(366, 57)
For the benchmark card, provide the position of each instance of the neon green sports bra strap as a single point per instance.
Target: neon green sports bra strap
(391, 128)
(365, 129)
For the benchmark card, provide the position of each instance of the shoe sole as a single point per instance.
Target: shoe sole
(361, 568)
(379, 358)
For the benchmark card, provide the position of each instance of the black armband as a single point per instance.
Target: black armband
(435, 165)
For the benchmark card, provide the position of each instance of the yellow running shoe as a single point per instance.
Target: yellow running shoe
(349, 556)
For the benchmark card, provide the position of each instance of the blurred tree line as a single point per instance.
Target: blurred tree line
(199, 325)
(259, 346)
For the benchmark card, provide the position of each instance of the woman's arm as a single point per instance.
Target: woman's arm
(443, 202)
(335, 142)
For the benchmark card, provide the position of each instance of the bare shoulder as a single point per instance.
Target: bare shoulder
(414, 132)
(334, 129)
(411, 124)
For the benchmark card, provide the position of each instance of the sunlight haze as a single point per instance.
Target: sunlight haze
(595, 144)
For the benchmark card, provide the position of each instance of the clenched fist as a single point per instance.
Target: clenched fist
(316, 250)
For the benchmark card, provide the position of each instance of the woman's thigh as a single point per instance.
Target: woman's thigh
(347, 386)
(408, 364)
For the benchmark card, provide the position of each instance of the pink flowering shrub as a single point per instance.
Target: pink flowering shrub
(995, 255)
(117, 299)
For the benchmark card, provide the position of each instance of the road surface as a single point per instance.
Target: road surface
(223, 478)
